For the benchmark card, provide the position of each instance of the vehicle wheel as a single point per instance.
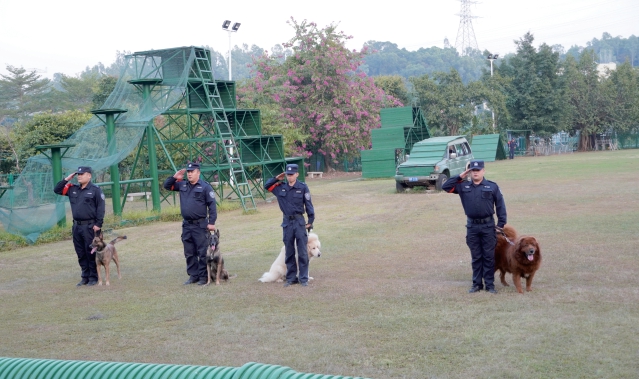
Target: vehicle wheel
(441, 179)
(400, 187)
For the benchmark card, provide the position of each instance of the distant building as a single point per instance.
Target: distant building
(604, 68)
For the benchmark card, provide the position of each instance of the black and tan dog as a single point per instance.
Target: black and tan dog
(104, 253)
(214, 261)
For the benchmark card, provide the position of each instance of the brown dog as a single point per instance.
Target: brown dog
(214, 261)
(520, 256)
(104, 253)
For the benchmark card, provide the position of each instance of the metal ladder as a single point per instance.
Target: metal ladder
(237, 175)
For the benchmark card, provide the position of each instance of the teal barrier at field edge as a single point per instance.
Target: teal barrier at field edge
(25, 368)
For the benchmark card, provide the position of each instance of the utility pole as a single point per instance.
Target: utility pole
(465, 34)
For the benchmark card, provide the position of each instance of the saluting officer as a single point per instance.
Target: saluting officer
(294, 199)
(87, 207)
(197, 204)
(480, 198)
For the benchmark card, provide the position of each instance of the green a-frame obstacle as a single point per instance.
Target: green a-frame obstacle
(204, 125)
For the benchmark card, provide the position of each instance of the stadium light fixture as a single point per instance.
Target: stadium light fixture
(235, 27)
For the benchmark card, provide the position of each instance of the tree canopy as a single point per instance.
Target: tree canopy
(320, 91)
(22, 93)
(535, 97)
(450, 106)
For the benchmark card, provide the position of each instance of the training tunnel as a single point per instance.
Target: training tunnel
(15, 368)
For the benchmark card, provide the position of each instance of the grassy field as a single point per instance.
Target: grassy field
(389, 299)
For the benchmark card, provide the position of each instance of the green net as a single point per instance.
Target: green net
(31, 207)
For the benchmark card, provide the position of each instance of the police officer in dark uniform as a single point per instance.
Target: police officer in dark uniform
(512, 145)
(294, 198)
(480, 198)
(197, 204)
(87, 207)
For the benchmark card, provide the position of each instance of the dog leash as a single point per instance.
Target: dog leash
(501, 231)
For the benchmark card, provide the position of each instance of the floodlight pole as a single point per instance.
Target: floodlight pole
(230, 67)
(225, 26)
(491, 58)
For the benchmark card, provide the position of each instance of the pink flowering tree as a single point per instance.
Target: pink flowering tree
(320, 91)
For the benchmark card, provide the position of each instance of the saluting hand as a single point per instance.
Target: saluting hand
(280, 176)
(68, 178)
(180, 174)
(463, 174)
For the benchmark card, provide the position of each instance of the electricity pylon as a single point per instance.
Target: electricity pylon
(465, 34)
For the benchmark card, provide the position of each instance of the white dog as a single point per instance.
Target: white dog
(277, 273)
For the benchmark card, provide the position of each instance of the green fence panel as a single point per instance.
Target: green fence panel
(227, 93)
(379, 163)
(627, 141)
(394, 117)
(388, 138)
(245, 122)
(488, 147)
(274, 145)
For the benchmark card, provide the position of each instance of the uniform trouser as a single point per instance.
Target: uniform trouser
(82, 240)
(295, 234)
(195, 241)
(511, 154)
(481, 240)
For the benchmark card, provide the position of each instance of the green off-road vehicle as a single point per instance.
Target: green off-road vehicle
(432, 161)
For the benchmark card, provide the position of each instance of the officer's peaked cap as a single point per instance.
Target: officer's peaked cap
(83, 169)
(192, 166)
(291, 168)
(476, 164)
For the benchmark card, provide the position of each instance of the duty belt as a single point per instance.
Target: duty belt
(480, 220)
(83, 222)
(293, 217)
(194, 221)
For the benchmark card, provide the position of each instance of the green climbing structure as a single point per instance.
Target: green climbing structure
(166, 109)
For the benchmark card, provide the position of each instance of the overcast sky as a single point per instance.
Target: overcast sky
(68, 35)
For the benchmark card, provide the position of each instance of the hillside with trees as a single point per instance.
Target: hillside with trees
(325, 98)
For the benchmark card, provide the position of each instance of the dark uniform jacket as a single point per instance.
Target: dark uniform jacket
(479, 200)
(292, 200)
(195, 199)
(86, 203)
